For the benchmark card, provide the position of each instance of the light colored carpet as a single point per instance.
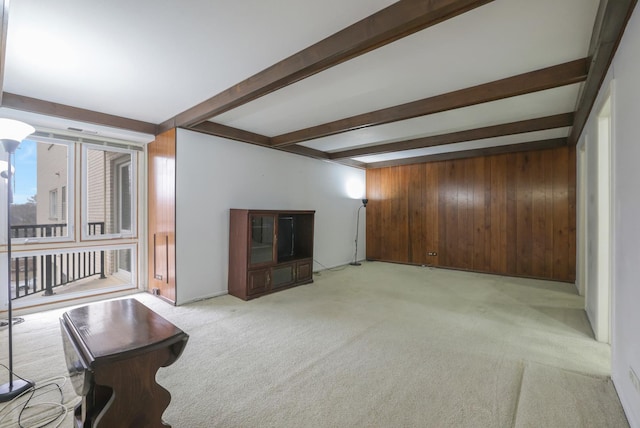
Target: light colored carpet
(380, 345)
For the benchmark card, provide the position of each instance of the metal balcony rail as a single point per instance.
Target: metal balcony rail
(34, 274)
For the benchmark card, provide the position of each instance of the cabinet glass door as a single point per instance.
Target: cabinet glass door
(262, 239)
(283, 275)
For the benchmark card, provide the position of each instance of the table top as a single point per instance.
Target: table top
(119, 329)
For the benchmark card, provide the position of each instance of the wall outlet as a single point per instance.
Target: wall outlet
(634, 379)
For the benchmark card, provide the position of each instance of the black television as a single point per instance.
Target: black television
(286, 237)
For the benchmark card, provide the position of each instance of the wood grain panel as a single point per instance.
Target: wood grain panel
(572, 171)
(416, 209)
(431, 217)
(479, 209)
(373, 214)
(508, 214)
(498, 214)
(511, 213)
(538, 217)
(561, 216)
(524, 230)
(161, 206)
(548, 208)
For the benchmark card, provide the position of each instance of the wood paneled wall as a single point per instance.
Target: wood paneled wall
(511, 214)
(161, 161)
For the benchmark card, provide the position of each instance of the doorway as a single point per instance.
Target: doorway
(604, 229)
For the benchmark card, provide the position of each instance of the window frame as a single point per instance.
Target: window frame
(85, 236)
(71, 174)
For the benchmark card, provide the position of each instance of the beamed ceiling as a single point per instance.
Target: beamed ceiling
(368, 83)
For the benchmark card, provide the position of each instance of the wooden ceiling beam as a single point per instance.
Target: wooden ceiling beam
(306, 151)
(608, 29)
(489, 151)
(230, 133)
(531, 125)
(48, 108)
(546, 78)
(236, 134)
(399, 20)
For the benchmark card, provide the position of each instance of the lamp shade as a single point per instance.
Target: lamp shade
(14, 130)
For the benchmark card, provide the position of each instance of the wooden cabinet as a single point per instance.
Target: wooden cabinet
(269, 251)
(162, 216)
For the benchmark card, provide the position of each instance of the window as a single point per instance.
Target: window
(44, 174)
(46, 204)
(109, 202)
(123, 186)
(53, 204)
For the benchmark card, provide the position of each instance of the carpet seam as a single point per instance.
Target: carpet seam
(517, 401)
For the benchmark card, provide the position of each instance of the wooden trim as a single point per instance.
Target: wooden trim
(399, 20)
(4, 19)
(306, 151)
(531, 125)
(224, 131)
(351, 162)
(48, 108)
(317, 154)
(609, 27)
(230, 133)
(488, 151)
(546, 78)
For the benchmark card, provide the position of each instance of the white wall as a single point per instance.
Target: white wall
(214, 174)
(624, 74)
(593, 261)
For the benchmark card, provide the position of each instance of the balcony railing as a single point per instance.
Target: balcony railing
(39, 230)
(34, 274)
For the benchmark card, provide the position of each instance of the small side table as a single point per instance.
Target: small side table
(113, 351)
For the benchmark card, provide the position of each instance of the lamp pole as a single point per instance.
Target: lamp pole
(18, 132)
(355, 254)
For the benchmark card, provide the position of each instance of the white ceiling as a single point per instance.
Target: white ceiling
(150, 60)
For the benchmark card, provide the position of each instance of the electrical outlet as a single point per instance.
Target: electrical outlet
(634, 379)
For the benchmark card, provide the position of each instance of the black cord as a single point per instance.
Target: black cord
(14, 373)
(335, 269)
(32, 393)
(16, 320)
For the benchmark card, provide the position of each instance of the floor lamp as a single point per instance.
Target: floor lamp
(355, 254)
(12, 132)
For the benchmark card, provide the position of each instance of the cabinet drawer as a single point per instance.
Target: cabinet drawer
(257, 281)
(304, 270)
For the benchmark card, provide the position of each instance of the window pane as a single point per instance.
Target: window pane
(53, 205)
(109, 191)
(124, 260)
(64, 203)
(125, 196)
(74, 271)
(41, 171)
